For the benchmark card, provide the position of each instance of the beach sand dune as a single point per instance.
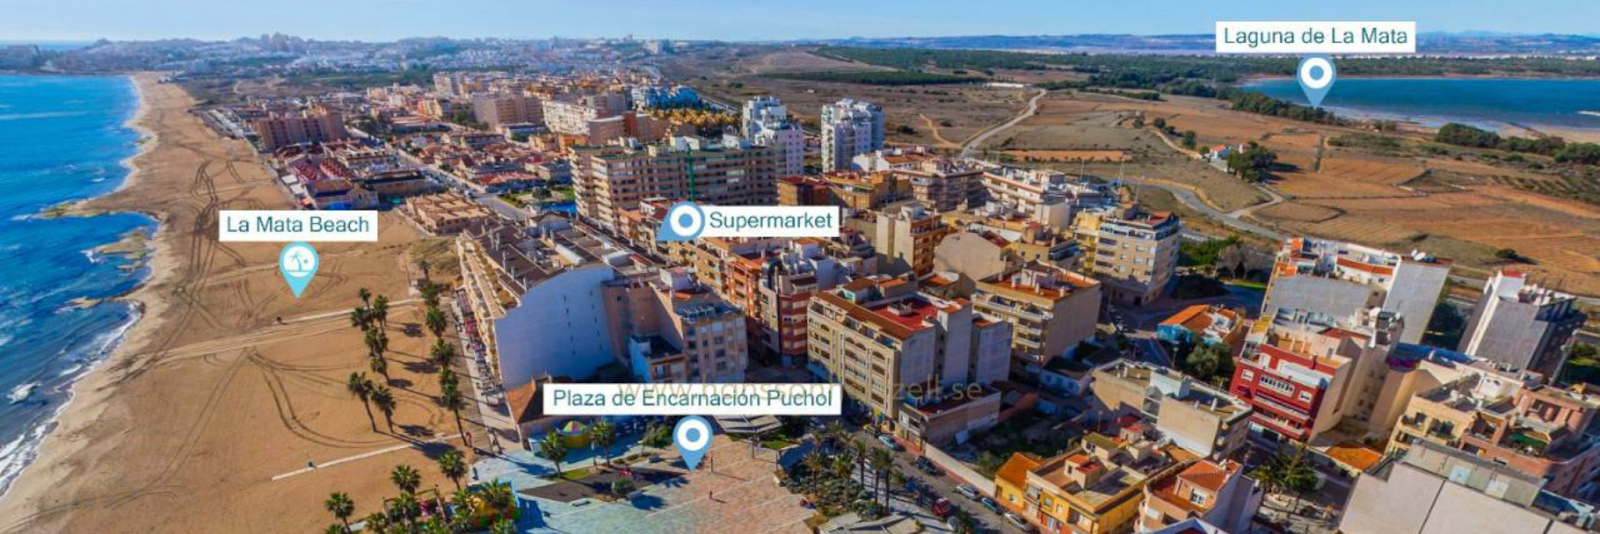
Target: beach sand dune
(209, 398)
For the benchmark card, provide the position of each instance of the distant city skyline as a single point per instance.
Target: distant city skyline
(749, 20)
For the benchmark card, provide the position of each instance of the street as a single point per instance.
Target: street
(944, 485)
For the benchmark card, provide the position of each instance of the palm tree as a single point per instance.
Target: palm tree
(435, 320)
(452, 399)
(406, 478)
(448, 378)
(1288, 472)
(379, 365)
(881, 461)
(503, 526)
(359, 318)
(340, 505)
(427, 274)
(861, 457)
(603, 434)
(406, 506)
(813, 462)
(380, 310)
(463, 499)
(366, 297)
(430, 295)
(375, 522)
(336, 529)
(836, 433)
(499, 498)
(377, 342)
(359, 386)
(453, 467)
(442, 353)
(384, 399)
(552, 448)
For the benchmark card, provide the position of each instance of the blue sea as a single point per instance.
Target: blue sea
(61, 139)
(1485, 102)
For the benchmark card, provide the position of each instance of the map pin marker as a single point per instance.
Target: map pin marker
(1316, 75)
(298, 262)
(693, 438)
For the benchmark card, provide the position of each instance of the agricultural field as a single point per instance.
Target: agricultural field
(1070, 155)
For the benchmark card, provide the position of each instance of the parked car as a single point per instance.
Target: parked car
(927, 466)
(943, 507)
(1018, 522)
(967, 491)
(990, 504)
(888, 441)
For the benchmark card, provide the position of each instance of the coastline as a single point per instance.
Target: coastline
(225, 382)
(114, 339)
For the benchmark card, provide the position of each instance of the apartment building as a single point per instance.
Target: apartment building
(446, 213)
(663, 97)
(674, 330)
(1511, 419)
(572, 114)
(879, 337)
(1094, 489)
(1432, 488)
(907, 238)
(1050, 310)
(1201, 419)
(1132, 251)
(497, 110)
(536, 294)
(1304, 375)
(279, 130)
(1340, 279)
(765, 122)
(895, 158)
(849, 127)
(1217, 492)
(1521, 325)
(851, 190)
(944, 184)
(614, 178)
(788, 279)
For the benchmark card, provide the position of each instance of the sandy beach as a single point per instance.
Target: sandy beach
(209, 399)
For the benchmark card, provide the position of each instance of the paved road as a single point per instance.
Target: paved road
(945, 485)
(975, 142)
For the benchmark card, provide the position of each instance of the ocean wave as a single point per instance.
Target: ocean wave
(22, 392)
(41, 115)
(16, 455)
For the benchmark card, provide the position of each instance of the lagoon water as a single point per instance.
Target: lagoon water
(61, 139)
(1484, 102)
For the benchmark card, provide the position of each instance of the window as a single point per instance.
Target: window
(1277, 385)
(1198, 498)
(1305, 396)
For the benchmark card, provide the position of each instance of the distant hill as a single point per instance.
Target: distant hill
(1466, 43)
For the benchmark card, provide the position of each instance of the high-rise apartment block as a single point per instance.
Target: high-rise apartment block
(765, 122)
(881, 338)
(1339, 279)
(1051, 310)
(907, 238)
(311, 126)
(501, 109)
(614, 178)
(1520, 325)
(1133, 251)
(849, 127)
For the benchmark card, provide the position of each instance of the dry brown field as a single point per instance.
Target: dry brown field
(1071, 155)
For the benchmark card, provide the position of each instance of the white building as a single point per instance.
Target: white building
(849, 127)
(1521, 325)
(766, 123)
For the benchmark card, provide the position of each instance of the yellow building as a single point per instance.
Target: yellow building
(1094, 489)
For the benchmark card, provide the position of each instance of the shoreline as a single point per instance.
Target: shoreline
(115, 338)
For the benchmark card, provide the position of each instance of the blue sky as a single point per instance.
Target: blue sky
(36, 20)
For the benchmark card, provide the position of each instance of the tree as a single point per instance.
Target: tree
(453, 400)
(881, 461)
(427, 273)
(1160, 123)
(1188, 139)
(621, 487)
(340, 505)
(380, 310)
(359, 318)
(361, 388)
(375, 522)
(366, 297)
(503, 526)
(377, 342)
(453, 466)
(1252, 164)
(860, 453)
(379, 365)
(1210, 362)
(552, 448)
(430, 294)
(1288, 472)
(384, 400)
(442, 353)
(499, 498)
(406, 478)
(988, 463)
(603, 434)
(407, 507)
(435, 321)
(336, 529)
(813, 463)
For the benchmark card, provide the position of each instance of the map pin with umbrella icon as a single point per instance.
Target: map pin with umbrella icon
(298, 263)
